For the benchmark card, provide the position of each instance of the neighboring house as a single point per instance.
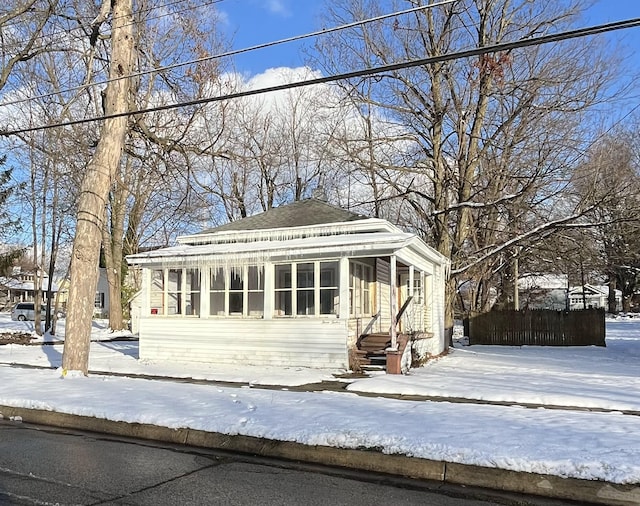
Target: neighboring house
(543, 291)
(595, 296)
(20, 287)
(293, 286)
(101, 301)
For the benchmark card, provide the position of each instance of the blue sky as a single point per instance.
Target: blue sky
(254, 22)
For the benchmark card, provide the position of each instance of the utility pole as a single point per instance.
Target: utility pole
(95, 186)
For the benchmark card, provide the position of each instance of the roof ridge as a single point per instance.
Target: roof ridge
(299, 213)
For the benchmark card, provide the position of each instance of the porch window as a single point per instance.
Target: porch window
(255, 291)
(217, 296)
(157, 292)
(304, 289)
(418, 293)
(283, 289)
(307, 289)
(238, 291)
(175, 292)
(329, 299)
(360, 279)
(192, 292)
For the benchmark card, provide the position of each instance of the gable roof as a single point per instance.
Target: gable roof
(297, 214)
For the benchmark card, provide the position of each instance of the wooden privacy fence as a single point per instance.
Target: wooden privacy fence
(539, 327)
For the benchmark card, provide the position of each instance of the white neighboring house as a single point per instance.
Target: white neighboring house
(101, 301)
(595, 296)
(294, 286)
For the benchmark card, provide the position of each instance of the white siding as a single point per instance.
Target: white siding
(383, 276)
(304, 342)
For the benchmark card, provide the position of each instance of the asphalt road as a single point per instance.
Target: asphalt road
(46, 466)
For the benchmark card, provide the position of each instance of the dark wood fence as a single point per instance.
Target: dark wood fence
(540, 327)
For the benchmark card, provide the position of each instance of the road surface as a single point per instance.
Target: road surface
(47, 466)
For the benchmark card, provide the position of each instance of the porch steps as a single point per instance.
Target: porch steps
(371, 349)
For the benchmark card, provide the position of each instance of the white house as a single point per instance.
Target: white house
(594, 297)
(294, 286)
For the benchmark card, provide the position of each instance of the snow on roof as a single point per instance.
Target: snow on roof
(543, 281)
(16, 284)
(260, 250)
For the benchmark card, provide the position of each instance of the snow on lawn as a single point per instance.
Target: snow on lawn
(590, 377)
(570, 443)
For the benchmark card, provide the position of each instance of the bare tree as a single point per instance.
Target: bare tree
(494, 137)
(610, 175)
(95, 187)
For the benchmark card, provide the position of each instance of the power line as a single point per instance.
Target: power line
(507, 46)
(234, 52)
(148, 9)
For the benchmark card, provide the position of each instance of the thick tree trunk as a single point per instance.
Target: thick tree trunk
(94, 192)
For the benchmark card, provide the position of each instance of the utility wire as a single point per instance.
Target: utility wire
(234, 52)
(507, 46)
(89, 20)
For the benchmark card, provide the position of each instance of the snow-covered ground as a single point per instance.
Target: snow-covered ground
(572, 441)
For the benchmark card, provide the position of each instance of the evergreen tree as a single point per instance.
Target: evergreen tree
(9, 222)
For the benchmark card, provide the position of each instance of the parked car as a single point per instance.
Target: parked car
(24, 311)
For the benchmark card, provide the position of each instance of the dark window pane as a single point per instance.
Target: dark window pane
(283, 276)
(283, 303)
(304, 276)
(217, 279)
(304, 301)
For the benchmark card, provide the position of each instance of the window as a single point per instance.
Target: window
(98, 301)
(255, 291)
(418, 294)
(360, 279)
(329, 298)
(157, 292)
(217, 296)
(175, 292)
(315, 291)
(192, 292)
(238, 291)
(304, 289)
(283, 288)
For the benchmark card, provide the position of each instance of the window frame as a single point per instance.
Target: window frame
(361, 281)
(245, 288)
(180, 293)
(287, 294)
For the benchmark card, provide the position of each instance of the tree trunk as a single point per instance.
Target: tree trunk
(611, 299)
(112, 241)
(94, 190)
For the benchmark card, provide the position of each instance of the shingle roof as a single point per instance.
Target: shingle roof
(297, 214)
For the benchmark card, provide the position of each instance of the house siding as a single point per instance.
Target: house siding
(303, 342)
(383, 291)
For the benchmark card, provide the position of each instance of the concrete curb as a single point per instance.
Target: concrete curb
(594, 492)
